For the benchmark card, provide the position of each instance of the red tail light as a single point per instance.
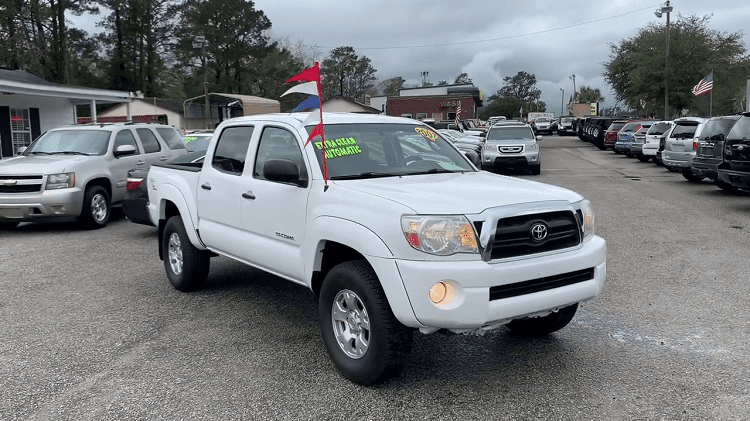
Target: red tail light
(695, 145)
(132, 183)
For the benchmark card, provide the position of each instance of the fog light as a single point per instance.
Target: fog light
(441, 293)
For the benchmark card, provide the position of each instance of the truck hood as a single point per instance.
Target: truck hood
(456, 193)
(40, 164)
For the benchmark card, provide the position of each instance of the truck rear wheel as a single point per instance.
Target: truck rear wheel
(186, 266)
(542, 326)
(365, 341)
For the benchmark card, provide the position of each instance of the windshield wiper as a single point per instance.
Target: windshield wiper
(432, 171)
(368, 174)
(35, 152)
(70, 152)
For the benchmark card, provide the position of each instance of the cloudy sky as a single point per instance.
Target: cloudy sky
(488, 39)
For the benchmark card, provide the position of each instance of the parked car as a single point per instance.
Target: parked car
(639, 139)
(735, 168)
(135, 201)
(597, 127)
(543, 125)
(78, 172)
(512, 146)
(197, 141)
(678, 146)
(610, 135)
(565, 126)
(654, 138)
(471, 146)
(624, 136)
(709, 148)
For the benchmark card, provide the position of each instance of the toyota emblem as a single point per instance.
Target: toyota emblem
(538, 232)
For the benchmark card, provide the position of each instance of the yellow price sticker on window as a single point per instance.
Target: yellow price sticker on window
(427, 134)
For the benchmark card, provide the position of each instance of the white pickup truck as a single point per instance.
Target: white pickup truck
(406, 234)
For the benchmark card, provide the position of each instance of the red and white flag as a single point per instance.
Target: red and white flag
(458, 116)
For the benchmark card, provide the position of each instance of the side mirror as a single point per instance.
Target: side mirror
(474, 158)
(538, 138)
(123, 150)
(283, 171)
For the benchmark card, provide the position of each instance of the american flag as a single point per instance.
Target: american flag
(458, 116)
(705, 85)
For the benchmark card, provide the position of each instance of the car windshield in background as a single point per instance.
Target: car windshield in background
(683, 131)
(659, 128)
(717, 129)
(73, 142)
(197, 142)
(630, 127)
(510, 133)
(741, 130)
(385, 150)
(171, 136)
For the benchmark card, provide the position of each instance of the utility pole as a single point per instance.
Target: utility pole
(574, 87)
(562, 102)
(200, 42)
(666, 8)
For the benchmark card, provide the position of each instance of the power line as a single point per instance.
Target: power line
(502, 38)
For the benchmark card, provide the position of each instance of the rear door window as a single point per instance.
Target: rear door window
(149, 141)
(171, 137)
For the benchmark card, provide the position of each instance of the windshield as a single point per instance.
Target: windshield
(567, 120)
(197, 142)
(659, 129)
(510, 133)
(386, 150)
(542, 120)
(717, 129)
(75, 142)
(630, 127)
(683, 131)
(741, 130)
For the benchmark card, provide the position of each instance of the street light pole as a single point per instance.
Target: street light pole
(562, 102)
(666, 8)
(200, 42)
(574, 86)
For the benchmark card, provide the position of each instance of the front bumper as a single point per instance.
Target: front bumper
(37, 206)
(523, 160)
(471, 307)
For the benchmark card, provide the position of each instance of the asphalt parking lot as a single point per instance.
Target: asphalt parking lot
(93, 331)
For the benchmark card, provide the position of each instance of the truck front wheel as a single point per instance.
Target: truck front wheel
(96, 210)
(541, 326)
(365, 341)
(186, 266)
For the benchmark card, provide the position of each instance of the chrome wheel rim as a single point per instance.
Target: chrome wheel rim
(174, 254)
(98, 208)
(351, 324)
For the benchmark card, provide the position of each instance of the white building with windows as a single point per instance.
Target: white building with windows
(29, 106)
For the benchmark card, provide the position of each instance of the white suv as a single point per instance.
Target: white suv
(654, 136)
(512, 145)
(79, 172)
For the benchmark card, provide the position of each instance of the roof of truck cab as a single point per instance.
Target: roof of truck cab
(328, 118)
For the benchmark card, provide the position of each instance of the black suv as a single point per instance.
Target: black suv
(708, 150)
(735, 170)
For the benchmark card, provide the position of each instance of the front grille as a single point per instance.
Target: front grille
(20, 183)
(540, 284)
(513, 236)
(510, 149)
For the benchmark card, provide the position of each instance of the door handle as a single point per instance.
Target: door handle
(140, 162)
(206, 186)
(163, 158)
(248, 195)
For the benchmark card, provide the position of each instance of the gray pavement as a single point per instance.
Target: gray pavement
(91, 330)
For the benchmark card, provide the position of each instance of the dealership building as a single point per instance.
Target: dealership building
(435, 102)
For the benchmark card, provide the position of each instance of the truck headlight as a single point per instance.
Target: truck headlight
(440, 234)
(587, 214)
(60, 181)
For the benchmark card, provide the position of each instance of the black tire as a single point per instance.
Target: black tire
(536, 170)
(186, 266)
(542, 326)
(689, 176)
(96, 208)
(386, 343)
(7, 226)
(726, 186)
(644, 158)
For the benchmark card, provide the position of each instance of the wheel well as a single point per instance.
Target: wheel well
(332, 253)
(170, 210)
(104, 182)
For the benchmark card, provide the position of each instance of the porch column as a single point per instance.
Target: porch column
(93, 111)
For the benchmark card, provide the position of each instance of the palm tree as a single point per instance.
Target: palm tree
(589, 95)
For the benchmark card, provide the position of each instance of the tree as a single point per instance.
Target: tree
(522, 87)
(346, 74)
(588, 95)
(463, 78)
(506, 106)
(636, 66)
(393, 85)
